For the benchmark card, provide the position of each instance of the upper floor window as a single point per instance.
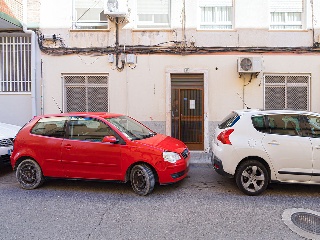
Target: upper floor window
(89, 14)
(153, 13)
(286, 14)
(216, 14)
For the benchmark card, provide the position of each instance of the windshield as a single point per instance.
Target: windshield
(132, 129)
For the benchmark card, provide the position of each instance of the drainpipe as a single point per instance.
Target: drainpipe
(33, 58)
(33, 69)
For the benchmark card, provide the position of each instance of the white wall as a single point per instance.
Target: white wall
(15, 108)
(251, 27)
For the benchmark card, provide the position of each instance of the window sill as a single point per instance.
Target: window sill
(89, 30)
(288, 30)
(216, 30)
(152, 30)
(15, 93)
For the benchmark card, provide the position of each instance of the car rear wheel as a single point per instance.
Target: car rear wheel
(252, 177)
(142, 179)
(29, 174)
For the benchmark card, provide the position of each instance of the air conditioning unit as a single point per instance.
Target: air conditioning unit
(115, 8)
(249, 64)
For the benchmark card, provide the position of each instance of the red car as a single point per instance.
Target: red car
(100, 146)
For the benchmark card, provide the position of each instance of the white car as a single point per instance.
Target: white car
(258, 147)
(7, 134)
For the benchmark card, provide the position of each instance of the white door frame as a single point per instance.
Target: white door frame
(205, 73)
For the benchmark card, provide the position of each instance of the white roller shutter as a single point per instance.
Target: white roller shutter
(153, 6)
(286, 5)
(215, 3)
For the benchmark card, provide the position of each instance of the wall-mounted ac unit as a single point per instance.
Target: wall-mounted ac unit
(115, 8)
(249, 64)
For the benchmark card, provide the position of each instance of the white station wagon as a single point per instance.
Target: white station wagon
(7, 134)
(258, 147)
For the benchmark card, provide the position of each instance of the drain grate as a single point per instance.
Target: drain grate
(307, 221)
(304, 222)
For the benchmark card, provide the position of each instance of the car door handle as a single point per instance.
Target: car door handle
(317, 147)
(273, 143)
(68, 147)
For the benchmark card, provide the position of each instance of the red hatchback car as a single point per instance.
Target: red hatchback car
(101, 146)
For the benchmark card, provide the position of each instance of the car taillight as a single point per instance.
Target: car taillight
(224, 136)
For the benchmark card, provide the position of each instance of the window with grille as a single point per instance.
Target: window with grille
(89, 14)
(216, 14)
(287, 91)
(86, 93)
(15, 64)
(286, 14)
(153, 13)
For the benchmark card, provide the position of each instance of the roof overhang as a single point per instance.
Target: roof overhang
(8, 23)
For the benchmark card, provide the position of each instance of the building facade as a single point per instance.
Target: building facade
(177, 66)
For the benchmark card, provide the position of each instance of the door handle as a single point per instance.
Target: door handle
(273, 143)
(68, 147)
(317, 147)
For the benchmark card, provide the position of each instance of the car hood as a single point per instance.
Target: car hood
(164, 143)
(8, 130)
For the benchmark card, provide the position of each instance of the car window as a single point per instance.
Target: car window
(132, 129)
(229, 120)
(312, 127)
(50, 127)
(88, 129)
(259, 123)
(284, 124)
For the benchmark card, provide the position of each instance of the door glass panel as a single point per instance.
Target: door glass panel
(191, 115)
(284, 124)
(88, 129)
(187, 117)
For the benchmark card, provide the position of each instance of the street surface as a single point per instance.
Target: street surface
(205, 205)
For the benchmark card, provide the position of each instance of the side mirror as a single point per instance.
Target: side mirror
(110, 139)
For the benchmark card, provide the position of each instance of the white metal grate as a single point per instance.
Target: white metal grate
(15, 64)
(287, 91)
(86, 93)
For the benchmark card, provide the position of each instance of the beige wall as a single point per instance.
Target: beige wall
(141, 92)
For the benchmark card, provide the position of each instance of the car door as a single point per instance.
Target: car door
(48, 134)
(313, 130)
(289, 151)
(84, 155)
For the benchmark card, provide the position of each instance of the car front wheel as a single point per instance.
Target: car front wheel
(252, 177)
(29, 174)
(142, 179)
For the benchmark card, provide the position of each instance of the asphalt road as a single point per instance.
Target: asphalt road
(205, 205)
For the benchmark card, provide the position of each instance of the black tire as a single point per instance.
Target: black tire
(29, 174)
(252, 177)
(142, 179)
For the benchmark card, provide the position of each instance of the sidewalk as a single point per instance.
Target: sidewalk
(200, 157)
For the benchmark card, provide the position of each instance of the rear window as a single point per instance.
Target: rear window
(50, 127)
(229, 120)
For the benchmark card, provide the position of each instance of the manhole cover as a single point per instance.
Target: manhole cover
(302, 221)
(307, 221)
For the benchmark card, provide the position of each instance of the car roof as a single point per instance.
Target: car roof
(92, 114)
(272, 111)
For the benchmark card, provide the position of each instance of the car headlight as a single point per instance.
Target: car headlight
(171, 157)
